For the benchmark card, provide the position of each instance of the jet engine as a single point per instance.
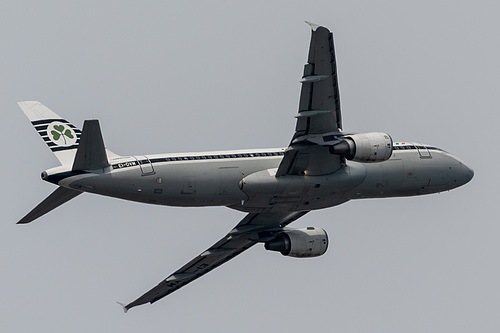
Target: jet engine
(300, 243)
(365, 147)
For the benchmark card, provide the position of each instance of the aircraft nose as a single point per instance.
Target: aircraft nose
(464, 174)
(469, 174)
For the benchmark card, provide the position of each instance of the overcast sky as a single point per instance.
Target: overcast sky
(164, 77)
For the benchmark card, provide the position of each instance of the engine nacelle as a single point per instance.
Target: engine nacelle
(365, 147)
(300, 243)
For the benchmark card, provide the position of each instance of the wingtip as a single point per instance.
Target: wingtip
(25, 220)
(27, 103)
(124, 306)
(313, 26)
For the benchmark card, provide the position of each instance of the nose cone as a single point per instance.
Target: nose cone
(463, 174)
(469, 174)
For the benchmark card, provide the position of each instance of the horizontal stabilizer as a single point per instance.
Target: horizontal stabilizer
(91, 153)
(57, 198)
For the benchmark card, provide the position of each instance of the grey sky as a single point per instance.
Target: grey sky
(194, 76)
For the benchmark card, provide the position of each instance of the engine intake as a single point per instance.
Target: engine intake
(300, 243)
(365, 147)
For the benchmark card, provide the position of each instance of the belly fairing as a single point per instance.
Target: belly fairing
(268, 193)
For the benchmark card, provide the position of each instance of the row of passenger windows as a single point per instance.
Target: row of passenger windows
(215, 157)
(415, 147)
(407, 147)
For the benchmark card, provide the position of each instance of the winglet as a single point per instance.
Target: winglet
(124, 306)
(313, 25)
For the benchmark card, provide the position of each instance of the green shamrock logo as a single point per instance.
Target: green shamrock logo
(59, 131)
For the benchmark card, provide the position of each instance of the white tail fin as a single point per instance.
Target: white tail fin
(61, 136)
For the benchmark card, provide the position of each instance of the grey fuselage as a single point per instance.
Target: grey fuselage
(245, 180)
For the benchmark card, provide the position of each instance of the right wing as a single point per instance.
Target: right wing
(319, 121)
(243, 236)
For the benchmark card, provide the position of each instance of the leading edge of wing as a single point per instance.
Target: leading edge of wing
(242, 237)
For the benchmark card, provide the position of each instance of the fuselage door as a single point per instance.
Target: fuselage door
(146, 165)
(423, 151)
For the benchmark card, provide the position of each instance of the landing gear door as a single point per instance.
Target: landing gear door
(146, 165)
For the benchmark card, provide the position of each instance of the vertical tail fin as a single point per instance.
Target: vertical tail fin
(61, 136)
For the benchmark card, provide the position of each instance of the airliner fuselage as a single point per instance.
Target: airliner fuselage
(245, 179)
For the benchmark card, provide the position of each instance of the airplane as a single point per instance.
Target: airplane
(322, 167)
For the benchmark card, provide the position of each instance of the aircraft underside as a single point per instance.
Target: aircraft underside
(252, 186)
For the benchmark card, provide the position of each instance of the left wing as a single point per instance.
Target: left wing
(252, 229)
(319, 120)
